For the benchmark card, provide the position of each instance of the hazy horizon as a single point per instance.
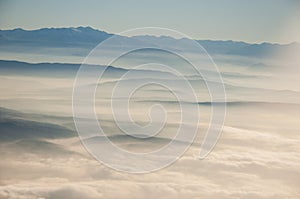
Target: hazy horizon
(87, 114)
(118, 33)
(258, 21)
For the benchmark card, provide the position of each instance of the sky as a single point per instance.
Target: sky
(253, 21)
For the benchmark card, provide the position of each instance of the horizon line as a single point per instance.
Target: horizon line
(100, 30)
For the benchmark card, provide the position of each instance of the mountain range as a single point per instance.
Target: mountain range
(88, 37)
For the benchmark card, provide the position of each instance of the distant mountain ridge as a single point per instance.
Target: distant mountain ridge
(89, 37)
(62, 70)
(56, 35)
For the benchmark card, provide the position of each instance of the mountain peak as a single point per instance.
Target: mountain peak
(55, 36)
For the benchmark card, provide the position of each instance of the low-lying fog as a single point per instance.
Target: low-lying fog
(257, 155)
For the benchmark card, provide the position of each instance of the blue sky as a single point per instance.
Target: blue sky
(251, 21)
